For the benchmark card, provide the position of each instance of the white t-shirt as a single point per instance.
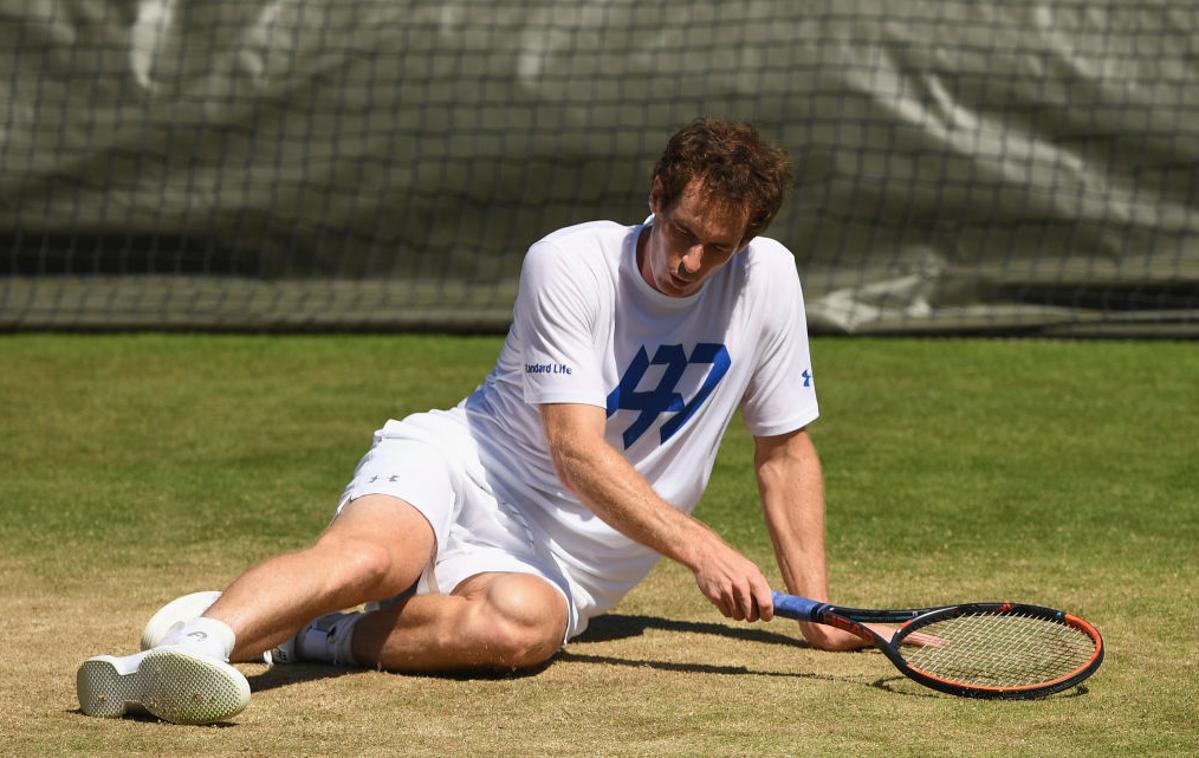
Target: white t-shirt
(669, 371)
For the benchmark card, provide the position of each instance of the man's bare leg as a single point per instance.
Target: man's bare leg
(375, 549)
(496, 620)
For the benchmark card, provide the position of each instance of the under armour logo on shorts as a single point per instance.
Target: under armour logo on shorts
(663, 398)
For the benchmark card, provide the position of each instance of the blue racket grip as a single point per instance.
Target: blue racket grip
(796, 607)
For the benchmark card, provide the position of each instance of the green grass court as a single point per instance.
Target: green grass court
(137, 468)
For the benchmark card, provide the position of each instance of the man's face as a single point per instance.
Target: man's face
(688, 242)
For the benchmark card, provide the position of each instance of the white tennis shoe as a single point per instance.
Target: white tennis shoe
(172, 682)
(326, 639)
(180, 609)
(191, 606)
(322, 640)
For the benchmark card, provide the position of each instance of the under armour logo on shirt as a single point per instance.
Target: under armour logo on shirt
(663, 398)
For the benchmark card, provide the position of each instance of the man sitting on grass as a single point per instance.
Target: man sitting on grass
(486, 535)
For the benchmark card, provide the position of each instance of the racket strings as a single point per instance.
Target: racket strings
(1001, 650)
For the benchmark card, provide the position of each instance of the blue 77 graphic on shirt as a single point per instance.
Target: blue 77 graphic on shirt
(663, 398)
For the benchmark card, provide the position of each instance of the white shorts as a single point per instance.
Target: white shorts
(430, 461)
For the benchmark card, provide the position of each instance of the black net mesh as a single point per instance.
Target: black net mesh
(294, 164)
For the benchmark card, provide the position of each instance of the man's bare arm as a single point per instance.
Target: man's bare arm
(792, 489)
(608, 484)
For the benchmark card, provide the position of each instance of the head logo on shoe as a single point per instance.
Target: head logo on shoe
(198, 636)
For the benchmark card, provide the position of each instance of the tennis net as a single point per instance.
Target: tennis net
(1025, 167)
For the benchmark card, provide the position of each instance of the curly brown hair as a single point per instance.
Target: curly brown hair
(737, 169)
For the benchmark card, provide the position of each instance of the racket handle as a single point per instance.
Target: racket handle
(796, 607)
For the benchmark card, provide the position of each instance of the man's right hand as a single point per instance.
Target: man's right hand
(732, 582)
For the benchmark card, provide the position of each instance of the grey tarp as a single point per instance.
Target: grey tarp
(1020, 166)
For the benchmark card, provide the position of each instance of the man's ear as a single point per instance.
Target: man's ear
(655, 196)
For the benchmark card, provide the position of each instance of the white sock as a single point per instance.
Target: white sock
(203, 635)
(329, 639)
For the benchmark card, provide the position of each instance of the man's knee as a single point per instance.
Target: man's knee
(523, 620)
(355, 563)
(377, 545)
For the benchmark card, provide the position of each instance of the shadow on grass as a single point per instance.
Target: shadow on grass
(144, 716)
(901, 685)
(295, 673)
(691, 668)
(616, 626)
(612, 627)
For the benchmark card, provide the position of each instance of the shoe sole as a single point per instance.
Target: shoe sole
(172, 684)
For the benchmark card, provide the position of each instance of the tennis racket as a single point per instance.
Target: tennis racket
(986, 650)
